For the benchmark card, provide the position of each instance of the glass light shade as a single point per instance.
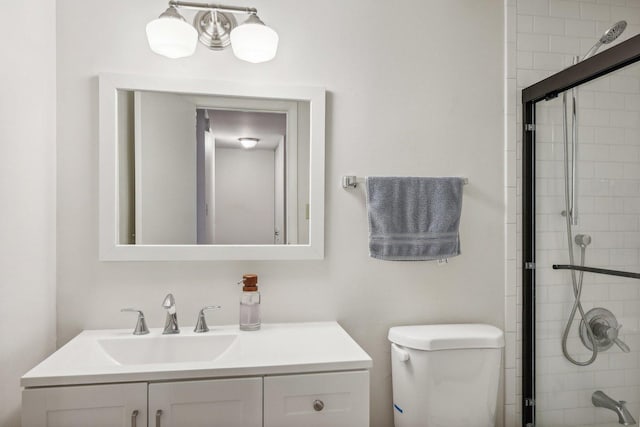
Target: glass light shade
(248, 142)
(254, 42)
(172, 37)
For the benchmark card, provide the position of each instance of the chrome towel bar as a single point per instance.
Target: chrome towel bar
(352, 181)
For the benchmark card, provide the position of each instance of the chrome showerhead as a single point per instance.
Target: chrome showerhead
(610, 35)
(614, 32)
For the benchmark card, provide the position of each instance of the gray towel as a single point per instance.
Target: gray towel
(414, 218)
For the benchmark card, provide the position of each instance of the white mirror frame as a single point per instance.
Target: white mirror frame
(109, 247)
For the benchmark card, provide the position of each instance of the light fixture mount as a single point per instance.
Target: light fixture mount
(214, 28)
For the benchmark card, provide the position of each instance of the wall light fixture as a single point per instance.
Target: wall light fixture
(214, 26)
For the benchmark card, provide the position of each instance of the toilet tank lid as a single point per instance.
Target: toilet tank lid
(447, 337)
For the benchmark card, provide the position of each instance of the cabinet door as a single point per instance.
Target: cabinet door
(215, 403)
(317, 400)
(117, 405)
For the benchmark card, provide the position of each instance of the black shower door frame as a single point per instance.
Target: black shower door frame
(610, 60)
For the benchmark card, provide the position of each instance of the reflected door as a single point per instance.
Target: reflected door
(165, 187)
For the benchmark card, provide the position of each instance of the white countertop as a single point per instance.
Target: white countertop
(281, 348)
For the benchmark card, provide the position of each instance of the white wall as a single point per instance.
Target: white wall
(27, 190)
(411, 98)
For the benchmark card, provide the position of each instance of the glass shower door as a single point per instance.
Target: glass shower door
(575, 386)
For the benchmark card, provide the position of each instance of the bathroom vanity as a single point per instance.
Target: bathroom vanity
(311, 374)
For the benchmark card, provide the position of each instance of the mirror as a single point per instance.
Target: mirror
(202, 170)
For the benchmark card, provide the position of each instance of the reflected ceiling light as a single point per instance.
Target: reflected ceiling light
(248, 142)
(215, 27)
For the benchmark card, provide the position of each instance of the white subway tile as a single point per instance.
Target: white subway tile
(564, 44)
(624, 84)
(579, 416)
(610, 378)
(525, 60)
(608, 136)
(593, 152)
(608, 170)
(623, 222)
(632, 102)
(619, 360)
(595, 11)
(533, 42)
(548, 61)
(609, 101)
(524, 24)
(625, 119)
(537, 7)
(564, 9)
(548, 25)
(579, 28)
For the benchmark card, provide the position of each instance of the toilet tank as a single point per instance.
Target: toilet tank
(445, 375)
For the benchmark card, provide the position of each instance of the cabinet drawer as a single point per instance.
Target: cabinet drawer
(338, 399)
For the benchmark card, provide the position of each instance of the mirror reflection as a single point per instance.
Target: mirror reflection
(212, 170)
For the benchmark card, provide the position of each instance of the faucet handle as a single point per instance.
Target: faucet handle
(141, 325)
(614, 337)
(201, 325)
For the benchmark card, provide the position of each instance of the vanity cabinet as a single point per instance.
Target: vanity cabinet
(339, 399)
(288, 374)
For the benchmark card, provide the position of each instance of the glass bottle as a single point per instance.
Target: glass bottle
(250, 303)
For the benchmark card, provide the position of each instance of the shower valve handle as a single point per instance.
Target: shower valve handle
(612, 333)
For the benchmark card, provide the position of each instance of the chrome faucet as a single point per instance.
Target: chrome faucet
(201, 324)
(171, 324)
(141, 325)
(601, 400)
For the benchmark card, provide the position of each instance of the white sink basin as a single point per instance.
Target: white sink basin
(116, 355)
(142, 350)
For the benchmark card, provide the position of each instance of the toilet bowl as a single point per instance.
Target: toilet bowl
(445, 375)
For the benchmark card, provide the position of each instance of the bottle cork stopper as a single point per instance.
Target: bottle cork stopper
(249, 282)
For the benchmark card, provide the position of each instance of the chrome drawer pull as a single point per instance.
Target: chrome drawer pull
(318, 405)
(158, 415)
(134, 415)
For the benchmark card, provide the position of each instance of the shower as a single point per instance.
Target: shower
(581, 137)
(570, 201)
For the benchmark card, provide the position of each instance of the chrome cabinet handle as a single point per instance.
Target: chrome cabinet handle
(318, 405)
(158, 415)
(134, 416)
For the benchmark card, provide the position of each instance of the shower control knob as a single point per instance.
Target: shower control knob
(605, 330)
(623, 346)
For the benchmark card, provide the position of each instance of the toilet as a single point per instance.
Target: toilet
(445, 375)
